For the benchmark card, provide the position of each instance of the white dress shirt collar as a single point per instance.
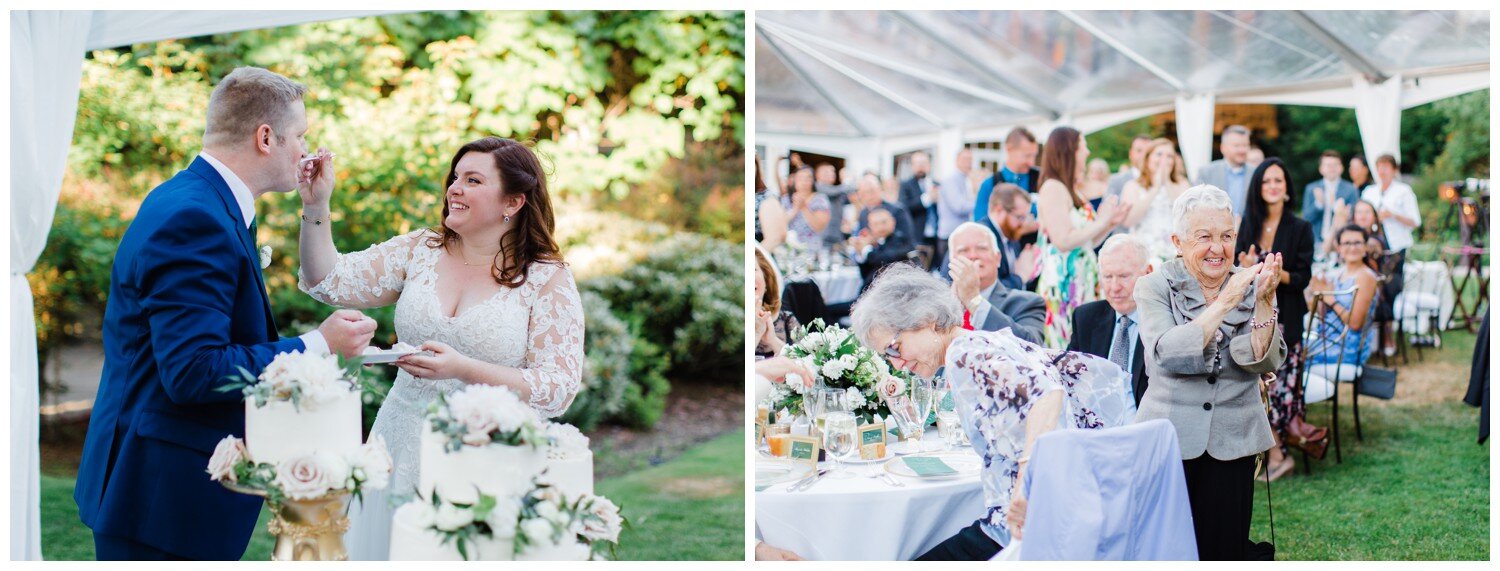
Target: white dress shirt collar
(237, 187)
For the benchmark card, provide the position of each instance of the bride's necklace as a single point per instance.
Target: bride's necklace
(465, 259)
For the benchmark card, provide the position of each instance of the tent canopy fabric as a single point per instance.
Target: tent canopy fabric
(891, 73)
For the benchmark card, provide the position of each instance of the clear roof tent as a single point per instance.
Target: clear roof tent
(877, 83)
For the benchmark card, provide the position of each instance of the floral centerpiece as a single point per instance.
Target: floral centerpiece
(482, 414)
(296, 377)
(303, 478)
(464, 525)
(838, 360)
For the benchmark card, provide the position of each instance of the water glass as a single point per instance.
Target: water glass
(951, 428)
(839, 435)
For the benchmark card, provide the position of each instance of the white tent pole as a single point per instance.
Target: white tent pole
(1195, 130)
(46, 66)
(1377, 107)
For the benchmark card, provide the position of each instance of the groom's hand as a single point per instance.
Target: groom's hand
(347, 332)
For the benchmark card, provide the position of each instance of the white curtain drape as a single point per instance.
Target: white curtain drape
(1195, 130)
(46, 62)
(1377, 107)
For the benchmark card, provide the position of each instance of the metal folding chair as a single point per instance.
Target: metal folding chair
(1311, 344)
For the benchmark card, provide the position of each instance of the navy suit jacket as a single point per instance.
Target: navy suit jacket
(1093, 333)
(187, 307)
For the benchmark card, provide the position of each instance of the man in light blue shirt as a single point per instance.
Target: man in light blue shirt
(1231, 173)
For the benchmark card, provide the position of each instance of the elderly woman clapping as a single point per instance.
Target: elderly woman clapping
(1006, 391)
(1209, 333)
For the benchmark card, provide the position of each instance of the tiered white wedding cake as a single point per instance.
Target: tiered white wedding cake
(485, 490)
(302, 432)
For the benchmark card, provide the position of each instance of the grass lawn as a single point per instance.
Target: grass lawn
(1416, 488)
(689, 508)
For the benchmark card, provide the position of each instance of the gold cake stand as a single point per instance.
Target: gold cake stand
(306, 530)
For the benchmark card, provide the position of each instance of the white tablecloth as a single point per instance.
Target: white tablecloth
(864, 518)
(839, 285)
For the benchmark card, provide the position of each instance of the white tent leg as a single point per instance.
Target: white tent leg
(1377, 106)
(1195, 130)
(46, 65)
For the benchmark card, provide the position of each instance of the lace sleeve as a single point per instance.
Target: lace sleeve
(369, 278)
(554, 360)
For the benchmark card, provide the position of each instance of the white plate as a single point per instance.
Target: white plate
(889, 453)
(383, 356)
(965, 463)
(776, 471)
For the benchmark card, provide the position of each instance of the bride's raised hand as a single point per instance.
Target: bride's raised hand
(315, 178)
(444, 363)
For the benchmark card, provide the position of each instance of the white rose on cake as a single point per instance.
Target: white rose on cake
(504, 517)
(483, 409)
(307, 477)
(373, 465)
(538, 531)
(227, 454)
(421, 514)
(452, 518)
(602, 520)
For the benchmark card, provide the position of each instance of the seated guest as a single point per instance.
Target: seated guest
(1350, 311)
(1209, 332)
(991, 305)
(773, 325)
(1006, 392)
(1393, 275)
(1110, 327)
(879, 246)
(1009, 215)
(1322, 198)
(869, 197)
(808, 213)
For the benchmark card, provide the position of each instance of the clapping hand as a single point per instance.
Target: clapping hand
(1026, 262)
(1268, 278)
(1239, 284)
(1249, 257)
(965, 276)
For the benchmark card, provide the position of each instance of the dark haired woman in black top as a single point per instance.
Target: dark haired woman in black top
(1268, 226)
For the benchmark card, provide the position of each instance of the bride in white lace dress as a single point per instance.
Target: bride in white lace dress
(488, 295)
(1151, 213)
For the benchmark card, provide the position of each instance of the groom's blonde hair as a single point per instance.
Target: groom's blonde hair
(246, 99)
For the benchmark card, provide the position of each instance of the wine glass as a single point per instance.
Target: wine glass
(922, 393)
(905, 415)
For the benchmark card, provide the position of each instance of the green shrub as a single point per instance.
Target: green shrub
(606, 375)
(646, 394)
(688, 294)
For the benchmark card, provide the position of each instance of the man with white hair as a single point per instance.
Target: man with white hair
(1109, 327)
(991, 305)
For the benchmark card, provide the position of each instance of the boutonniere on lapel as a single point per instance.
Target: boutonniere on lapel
(265, 257)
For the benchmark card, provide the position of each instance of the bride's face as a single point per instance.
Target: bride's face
(474, 198)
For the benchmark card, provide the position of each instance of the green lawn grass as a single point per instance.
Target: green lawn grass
(690, 508)
(1416, 488)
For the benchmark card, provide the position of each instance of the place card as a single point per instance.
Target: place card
(928, 466)
(874, 451)
(872, 433)
(803, 449)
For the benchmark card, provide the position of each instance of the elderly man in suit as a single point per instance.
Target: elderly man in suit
(869, 198)
(1322, 198)
(1110, 327)
(991, 305)
(1231, 173)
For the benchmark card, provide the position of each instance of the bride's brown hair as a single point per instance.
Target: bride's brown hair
(530, 240)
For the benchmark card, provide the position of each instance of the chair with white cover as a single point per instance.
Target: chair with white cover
(1117, 494)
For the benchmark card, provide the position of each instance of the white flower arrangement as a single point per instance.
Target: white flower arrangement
(567, 441)
(305, 477)
(838, 360)
(481, 414)
(298, 377)
(549, 519)
(462, 524)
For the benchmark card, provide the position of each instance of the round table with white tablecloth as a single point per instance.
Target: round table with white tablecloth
(864, 518)
(839, 285)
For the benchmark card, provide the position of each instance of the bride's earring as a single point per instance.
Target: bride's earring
(507, 218)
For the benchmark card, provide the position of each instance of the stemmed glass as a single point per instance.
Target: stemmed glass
(840, 430)
(922, 393)
(904, 412)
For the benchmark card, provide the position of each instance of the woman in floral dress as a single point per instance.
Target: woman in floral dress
(1068, 272)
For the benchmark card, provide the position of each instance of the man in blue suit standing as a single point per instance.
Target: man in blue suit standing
(1321, 199)
(187, 308)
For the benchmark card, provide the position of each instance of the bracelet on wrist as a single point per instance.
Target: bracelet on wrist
(318, 221)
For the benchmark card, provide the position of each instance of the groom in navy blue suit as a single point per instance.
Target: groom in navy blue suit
(187, 308)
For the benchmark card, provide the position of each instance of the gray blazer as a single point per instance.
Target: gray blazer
(1117, 183)
(1217, 174)
(1221, 414)
(1025, 313)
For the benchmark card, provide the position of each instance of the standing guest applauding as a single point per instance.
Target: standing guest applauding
(1069, 230)
(1209, 331)
(1323, 198)
(918, 194)
(808, 212)
(955, 200)
(1396, 205)
(1150, 196)
(1269, 227)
